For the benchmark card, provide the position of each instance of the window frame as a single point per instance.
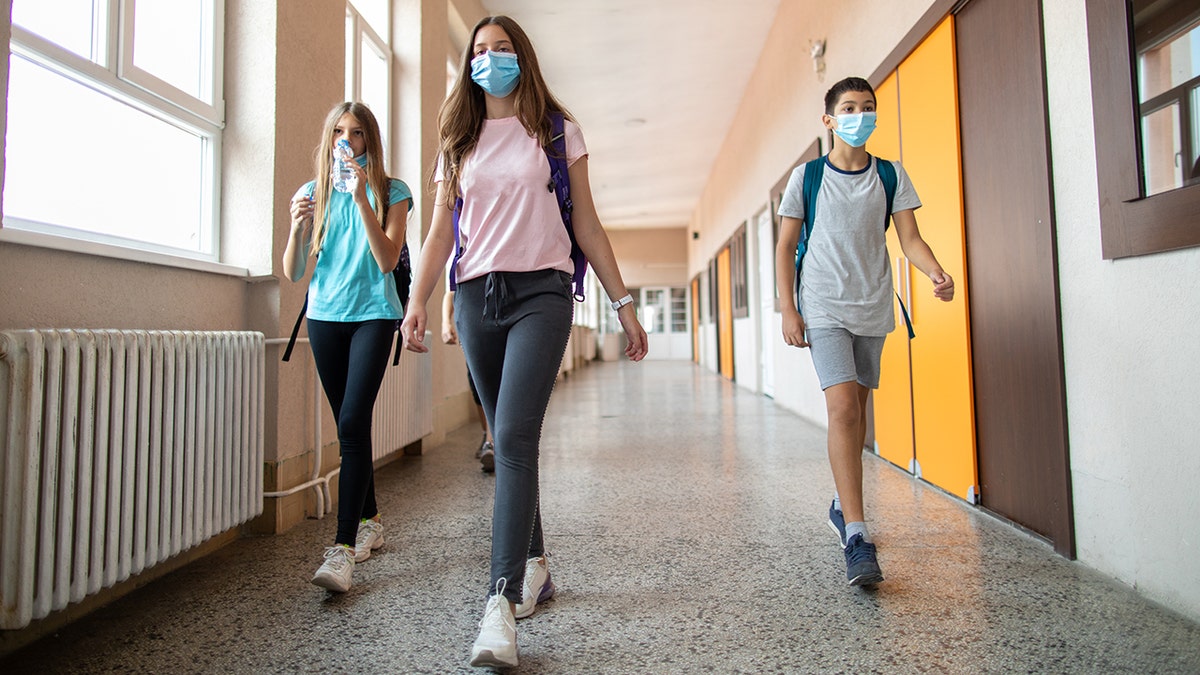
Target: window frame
(110, 71)
(362, 30)
(738, 275)
(1131, 224)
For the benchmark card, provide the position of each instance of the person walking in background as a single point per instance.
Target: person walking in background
(513, 306)
(842, 303)
(486, 452)
(353, 307)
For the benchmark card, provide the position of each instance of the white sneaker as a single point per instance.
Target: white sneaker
(496, 646)
(537, 587)
(335, 572)
(369, 538)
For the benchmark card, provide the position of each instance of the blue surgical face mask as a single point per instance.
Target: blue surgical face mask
(496, 72)
(855, 129)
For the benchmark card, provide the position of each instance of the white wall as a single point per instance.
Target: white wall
(1130, 335)
(745, 352)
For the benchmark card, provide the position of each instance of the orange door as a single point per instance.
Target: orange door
(724, 314)
(943, 405)
(893, 400)
(696, 320)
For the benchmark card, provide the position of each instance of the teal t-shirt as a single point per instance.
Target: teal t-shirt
(346, 283)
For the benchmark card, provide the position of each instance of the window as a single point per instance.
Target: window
(1168, 88)
(739, 286)
(131, 94)
(368, 62)
(1145, 104)
(679, 310)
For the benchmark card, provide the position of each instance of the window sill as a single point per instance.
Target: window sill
(9, 235)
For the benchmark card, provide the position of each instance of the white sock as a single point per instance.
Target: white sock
(837, 501)
(857, 528)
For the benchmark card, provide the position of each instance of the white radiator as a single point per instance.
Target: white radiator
(404, 409)
(119, 450)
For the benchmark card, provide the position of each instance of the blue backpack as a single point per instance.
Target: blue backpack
(814, 171)
(560, 185)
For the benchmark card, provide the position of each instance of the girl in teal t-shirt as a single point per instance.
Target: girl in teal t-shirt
(353, 312)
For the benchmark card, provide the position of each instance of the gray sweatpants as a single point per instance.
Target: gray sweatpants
(514, 328)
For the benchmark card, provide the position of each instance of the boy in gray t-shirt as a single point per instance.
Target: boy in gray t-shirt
(846, 295)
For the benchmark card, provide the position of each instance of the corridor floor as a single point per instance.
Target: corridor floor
(685, 518)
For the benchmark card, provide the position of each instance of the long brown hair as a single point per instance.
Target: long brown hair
(461, 116)
(377, 180)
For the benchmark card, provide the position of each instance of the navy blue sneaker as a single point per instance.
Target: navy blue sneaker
(862, 568)
(838, 524)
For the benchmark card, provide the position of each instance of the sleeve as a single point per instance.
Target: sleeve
(398, 191)
(906, 195)
(576, 147)
(792, 204)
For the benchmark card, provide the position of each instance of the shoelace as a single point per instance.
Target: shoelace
(858, 550)
(493, 614)
(336, 556)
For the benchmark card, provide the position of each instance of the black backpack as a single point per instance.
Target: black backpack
(402, 275)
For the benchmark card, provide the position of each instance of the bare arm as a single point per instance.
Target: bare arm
(785, 281)
(449, 333)
(596, 246)
(385, 241)
(434, 252)
(920, 255)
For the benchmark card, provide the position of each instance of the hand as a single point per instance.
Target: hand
(793, 329)
(302, 214)
(413, 328)
(449, 335)
(943, 286)
(638, 343)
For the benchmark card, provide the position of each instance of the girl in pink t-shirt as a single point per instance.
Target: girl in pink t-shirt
(513, 307)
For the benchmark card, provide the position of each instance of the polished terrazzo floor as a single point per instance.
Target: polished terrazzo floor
(686, 522)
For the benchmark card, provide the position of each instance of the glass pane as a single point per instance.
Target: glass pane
(145, 178)
(67, 23)
(1161, 151)
(170, 42)
(1194, 160)
(1171, 63)
(679, 313)
(375, 13)
(374, 85)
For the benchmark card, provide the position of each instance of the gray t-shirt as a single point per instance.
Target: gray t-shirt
(846, 281)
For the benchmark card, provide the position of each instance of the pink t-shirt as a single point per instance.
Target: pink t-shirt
(510, 221)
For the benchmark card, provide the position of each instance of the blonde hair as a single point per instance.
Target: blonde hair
(377, 179)
(461, 116)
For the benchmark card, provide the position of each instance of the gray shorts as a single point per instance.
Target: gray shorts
(841, 356)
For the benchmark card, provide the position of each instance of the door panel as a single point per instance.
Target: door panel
(943, 405)
(1024, 468)
(724, 314)
(892, 402)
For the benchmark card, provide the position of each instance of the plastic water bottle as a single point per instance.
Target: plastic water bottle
(344, 178)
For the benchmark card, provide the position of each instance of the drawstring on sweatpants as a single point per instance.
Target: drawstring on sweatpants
(495, 294)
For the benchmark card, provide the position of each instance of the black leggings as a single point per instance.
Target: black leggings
(351, 359)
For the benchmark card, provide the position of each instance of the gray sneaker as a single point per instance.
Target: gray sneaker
(334, 574)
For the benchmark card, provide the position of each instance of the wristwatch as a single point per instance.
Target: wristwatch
(621, 302)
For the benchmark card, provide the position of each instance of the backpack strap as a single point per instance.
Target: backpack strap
(814, 171)
(560, 185)
(287, 352)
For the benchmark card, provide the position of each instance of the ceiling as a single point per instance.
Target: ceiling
(654, 85)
